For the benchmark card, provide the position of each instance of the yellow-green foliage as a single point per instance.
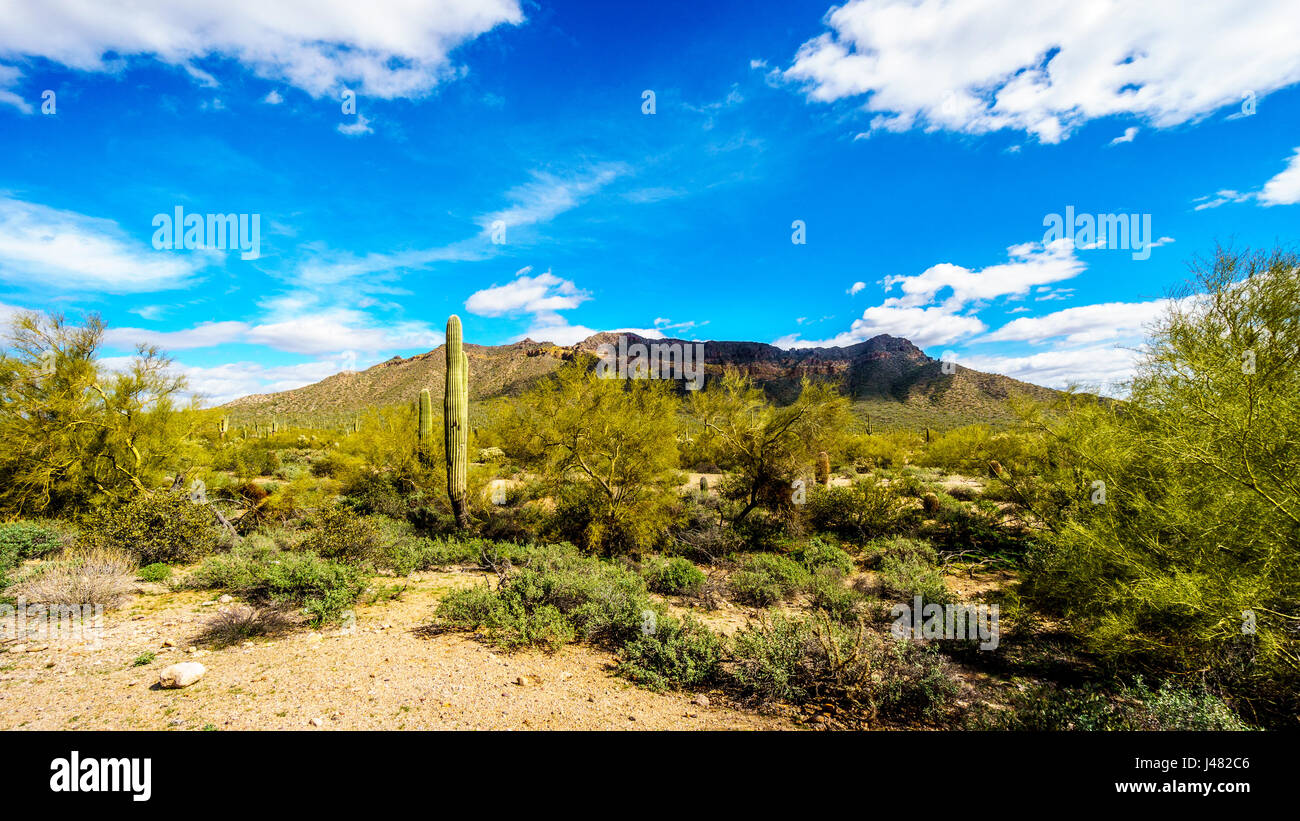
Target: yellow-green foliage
(608, 448)
(1186, 557)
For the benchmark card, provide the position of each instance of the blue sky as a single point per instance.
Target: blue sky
(921, 145)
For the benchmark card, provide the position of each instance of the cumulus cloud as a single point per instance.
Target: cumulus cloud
(1284, 189)
(936, 306)
(1084, 324)
(1096, 367)
(542, 294)
(385, 48)
(976, 66)
(66, 251)
(855, 288)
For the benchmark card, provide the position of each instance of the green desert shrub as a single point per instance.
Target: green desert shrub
(1091, 707)
(322, 587)
(817, 554)
(339, 533)
(865, 510)
(34, 539)
(803, 660)
(556, 596)
(674, 577)
(155, 527)
(765, 579)
(909, 568)
(672, 654)
(828, 592)
(156, 572)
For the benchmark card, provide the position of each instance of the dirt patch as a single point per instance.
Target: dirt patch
(386, 673)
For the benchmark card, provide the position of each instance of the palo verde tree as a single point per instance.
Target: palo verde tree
(1177, 543)
(765, 447)
(74, 434)
(608, 446)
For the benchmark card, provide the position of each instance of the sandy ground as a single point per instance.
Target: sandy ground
(385, 674)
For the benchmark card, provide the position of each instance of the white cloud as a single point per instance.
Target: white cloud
(203, 335)
(301, 328)
(1221, 198)
(548, 195)
(273, 98)
(9, 76)
(1030, 264)
(64, 250)
(936, 306)
(976, 66)
(1284, 189)
(1084, 324)
(1126, 137)
(222, 383)
(356, 129)
(855, 287)
(923, 326)
(1096, 366)
(386, 48)
(542, 294)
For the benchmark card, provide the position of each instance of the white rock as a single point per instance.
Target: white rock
(316, 722)
(226, 599)
(181, 675)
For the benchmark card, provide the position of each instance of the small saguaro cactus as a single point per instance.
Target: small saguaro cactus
(425, 429)
(927, 436)
(868, 424)
(704, 484)
(824, 469)
(995, 469)
(223, 426)
(455, 421)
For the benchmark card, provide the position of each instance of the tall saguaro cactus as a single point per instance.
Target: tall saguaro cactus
(455, 421)
(425, 431)
(224, 426)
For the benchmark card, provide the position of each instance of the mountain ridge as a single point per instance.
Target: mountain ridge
(875, 372)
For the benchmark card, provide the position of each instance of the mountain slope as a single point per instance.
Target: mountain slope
(886, 376)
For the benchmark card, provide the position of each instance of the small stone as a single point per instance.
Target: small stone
(315, 722)
(191, 649)
(315, 638)
(700, 700)
(168, 643)
(523, 681)
(37, 648)
(226, 599)
(181, 675)
(18, 648)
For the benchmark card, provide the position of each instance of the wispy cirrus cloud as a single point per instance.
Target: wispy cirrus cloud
(51, 248)
(1281, 189)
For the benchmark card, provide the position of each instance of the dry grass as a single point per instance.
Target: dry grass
(92, 576)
